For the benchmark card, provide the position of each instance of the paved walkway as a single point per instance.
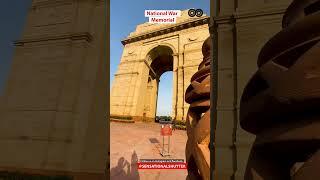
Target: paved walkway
(130, 142)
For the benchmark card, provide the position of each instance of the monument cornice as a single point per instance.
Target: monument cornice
(119, 74)
(232, 18)
(253, 14)
(46, 3)
(167, 30)
(74, 36)
(224, 19)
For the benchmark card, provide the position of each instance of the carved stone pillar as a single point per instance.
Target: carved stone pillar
(198, 119)
(175, 86)
(280, 104)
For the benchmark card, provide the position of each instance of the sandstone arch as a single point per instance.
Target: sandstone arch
(159, 60)
(171, 46)
(130, 97)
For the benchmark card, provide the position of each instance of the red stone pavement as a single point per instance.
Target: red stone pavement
(132, 141)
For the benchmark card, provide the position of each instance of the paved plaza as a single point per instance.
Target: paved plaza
(130, 142)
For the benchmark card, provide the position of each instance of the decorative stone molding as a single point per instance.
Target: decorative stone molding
(49, 3)
(166, 30)
(119, 74)
(73, 37)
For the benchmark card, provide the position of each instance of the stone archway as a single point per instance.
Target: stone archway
(160, 60)
(150, 51)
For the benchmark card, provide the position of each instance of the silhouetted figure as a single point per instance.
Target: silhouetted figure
(133, 173)
(119, 172)
(124, 170)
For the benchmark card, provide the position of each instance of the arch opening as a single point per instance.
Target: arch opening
(160, 60)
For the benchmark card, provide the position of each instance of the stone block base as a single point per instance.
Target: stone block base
(115, 117)
(224, 175)
(121, 118)
(143, 119)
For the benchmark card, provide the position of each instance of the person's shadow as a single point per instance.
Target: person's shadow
(124, 170)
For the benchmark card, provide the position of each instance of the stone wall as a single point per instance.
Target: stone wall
(243, 28)
(54, 117)
(1, 103)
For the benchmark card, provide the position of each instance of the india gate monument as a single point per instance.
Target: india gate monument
(149, 51)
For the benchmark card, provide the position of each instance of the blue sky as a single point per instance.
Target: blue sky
(125, 16)
(12, 19)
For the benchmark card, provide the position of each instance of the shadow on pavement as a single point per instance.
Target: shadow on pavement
(124, 170)
(154, 140)
(156, 145)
